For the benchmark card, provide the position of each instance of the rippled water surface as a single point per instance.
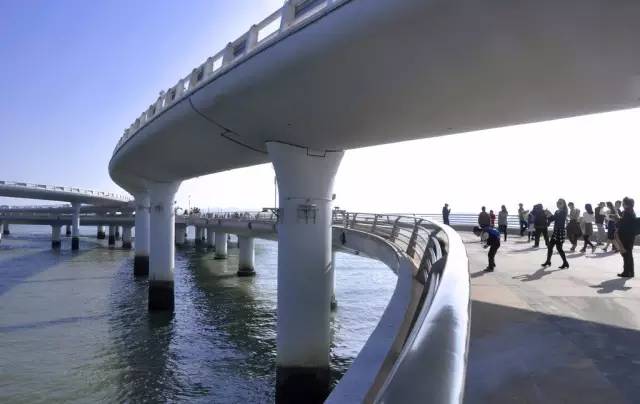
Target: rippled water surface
(75, 327)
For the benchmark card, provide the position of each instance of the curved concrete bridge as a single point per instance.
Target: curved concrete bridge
(321, 76)
(76, 196)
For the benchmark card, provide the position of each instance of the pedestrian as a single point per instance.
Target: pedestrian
(483, 218)
(573, 227)
(492, 241)
(541, 225)
(612, 222)
(627, 231)
(531, 229)
(559, 219)
(445, 213)
(618, 208)
(492, 218)
(588, 217)
(599, 216)
(503, 215)
(522, 216)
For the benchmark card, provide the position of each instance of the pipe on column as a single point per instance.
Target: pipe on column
(221, 245)
(75, 226)
(211, 235)
(247, 256)
(305, 183)
(126, 237)
(112, 236)
(161, 259)
(141, 260)
(56, 229)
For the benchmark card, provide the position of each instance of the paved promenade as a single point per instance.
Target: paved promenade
(552, 336)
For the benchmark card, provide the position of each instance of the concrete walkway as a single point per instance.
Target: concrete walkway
(549, 335)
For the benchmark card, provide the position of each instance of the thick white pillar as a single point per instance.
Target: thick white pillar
(180, 234)
(5, 229)
(305, 184)
(75, 226)
(1, 230)
(67, 230)
(101, 234)
(126, 237)
(161, 259)
(247, 256)
(141, 260)
(199, 235)
(112, 236)
(221, 245)
(332, 282)
(211, 237)
(56, 229)
(117, 232)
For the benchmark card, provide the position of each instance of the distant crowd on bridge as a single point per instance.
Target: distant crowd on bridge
(616, 226)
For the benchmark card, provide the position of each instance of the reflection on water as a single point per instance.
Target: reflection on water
(75, 326)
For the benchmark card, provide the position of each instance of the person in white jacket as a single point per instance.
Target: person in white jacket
(586, 224)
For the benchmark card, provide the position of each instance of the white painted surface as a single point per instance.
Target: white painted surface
(75, 220)
(221, 244)
(246, 259)
(162, 228)
(211, 237)
(142, 224)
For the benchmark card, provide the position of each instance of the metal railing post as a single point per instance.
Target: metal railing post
(411, 247)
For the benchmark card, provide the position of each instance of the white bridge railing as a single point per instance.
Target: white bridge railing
(287, 19)
(57, 188)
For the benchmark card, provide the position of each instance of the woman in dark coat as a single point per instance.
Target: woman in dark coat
(559, 219)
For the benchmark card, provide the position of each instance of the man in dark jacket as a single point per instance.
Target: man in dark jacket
(484, 220)
(627, 230)
(541, 225)
(492, 241)
(445, 213)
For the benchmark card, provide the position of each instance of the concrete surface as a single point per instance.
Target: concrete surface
(549, 335)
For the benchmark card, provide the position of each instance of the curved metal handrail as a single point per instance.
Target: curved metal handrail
(56, 188)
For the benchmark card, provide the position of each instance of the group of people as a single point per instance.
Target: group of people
(618, 218)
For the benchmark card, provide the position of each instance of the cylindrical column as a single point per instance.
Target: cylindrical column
(75, 226)
(221, 245)
(5, 229)
(161, 260)
(198, 236)
(247, 255)
(126, 237)
(101, 234)
(112, 236)
(180, 233)
(211, 237)
(117, 232)
(332, 282)
(67, 230)
(141, 260)
(56, 229)
(305, 184)
(1, 230)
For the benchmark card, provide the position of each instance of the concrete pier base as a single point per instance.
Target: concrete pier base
(126, 237)
(162, 243)
(5, 229)
(211, 238)
(141, 265)
(181, 231)
(305, 184)
(247, 256)
(221, 245)
(55, 237)
(198, 237)
(67, 230)
(101, 235)
(117, 232)
(112, 237)
(161, 295)
(75, 227)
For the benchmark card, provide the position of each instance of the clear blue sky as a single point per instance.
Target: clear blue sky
(75, 73)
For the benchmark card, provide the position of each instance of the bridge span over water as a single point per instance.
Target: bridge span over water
(321, 76)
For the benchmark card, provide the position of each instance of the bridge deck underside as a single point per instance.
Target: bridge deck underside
(552, 336)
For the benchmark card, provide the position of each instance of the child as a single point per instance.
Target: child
(492, 240)
(531, 223)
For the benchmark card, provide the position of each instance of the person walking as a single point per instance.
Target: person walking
(619, 208)
(573, 228)
(612, 222)
(445, 213)
(599, 219)
(492, 241)
(492, 218)
(559, 218)
(627, 231)
(531, 228)
(541, 225)
(522, 216)
(588, 218)
(503, 215)
(483, 218)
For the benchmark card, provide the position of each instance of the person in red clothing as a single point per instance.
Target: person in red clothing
(492, 217)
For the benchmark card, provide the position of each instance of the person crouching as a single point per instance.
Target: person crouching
(492, 240)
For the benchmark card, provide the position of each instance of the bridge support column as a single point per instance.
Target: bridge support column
(56, 229)
(161, 260)
(67, 230)
(75, 226)
(141, 260)
(211, 236)
(5, 229)
(305, 184)
(1, 230)
(221, 245)
(101, 234)
(247, 256)
(112, 236)
(117, 232)
(126, 237)
(180, 234)
(198, 236)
